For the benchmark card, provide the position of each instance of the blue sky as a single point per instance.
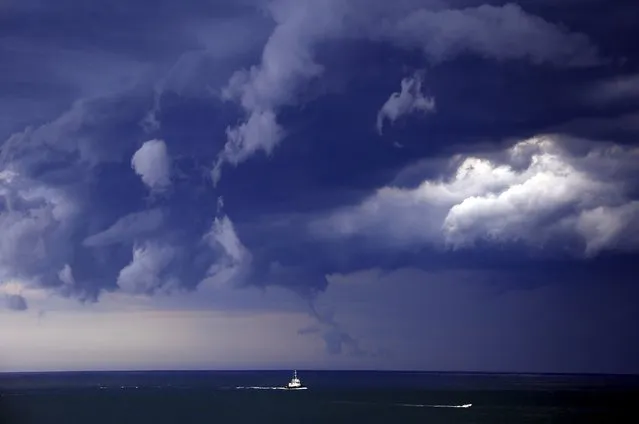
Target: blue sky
(417, 184)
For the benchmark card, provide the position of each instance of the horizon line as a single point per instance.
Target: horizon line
(245, 370)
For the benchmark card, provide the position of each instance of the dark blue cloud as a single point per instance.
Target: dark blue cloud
(142, 31)
(55, 54)
(16, 302)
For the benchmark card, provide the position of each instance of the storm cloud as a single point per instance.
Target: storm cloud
(442, 33)
(59, 174)
(517, 121)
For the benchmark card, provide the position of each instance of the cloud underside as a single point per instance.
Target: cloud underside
(288, 64)
(542, 192)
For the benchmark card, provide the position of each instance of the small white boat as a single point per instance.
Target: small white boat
(295, 383)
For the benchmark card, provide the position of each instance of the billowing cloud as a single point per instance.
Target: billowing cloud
(260, 132)
(146, 272)
(409, 100)
(536, 192)
(95, 130)
(153, 164)
(66, 275)
(35, 222)
(233, 263)
(605, 226)
(52, 198)
(288, 63)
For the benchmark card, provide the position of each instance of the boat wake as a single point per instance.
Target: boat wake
(409, 405)
(466, 405)
(268, 388)
(294, 384)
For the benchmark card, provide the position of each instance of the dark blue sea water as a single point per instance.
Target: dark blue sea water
(332, 397)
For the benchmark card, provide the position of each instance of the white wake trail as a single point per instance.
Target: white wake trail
(408, 405)
(267, 388)
(418, 405)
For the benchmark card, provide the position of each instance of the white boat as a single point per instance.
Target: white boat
(295, 383)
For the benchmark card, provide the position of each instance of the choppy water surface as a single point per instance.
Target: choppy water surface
(332, 397)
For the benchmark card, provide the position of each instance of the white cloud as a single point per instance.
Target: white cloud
(287, 63)
(409, 100)
(234, 260)
(66, 275)
(46, 172)
(535, 191)
(260, 132)
(610, 226)
(35, 224)
(128, 228)
(500, 32)
(145, 273)
(153, 164)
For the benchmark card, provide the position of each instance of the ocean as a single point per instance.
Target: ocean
(332, 397)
